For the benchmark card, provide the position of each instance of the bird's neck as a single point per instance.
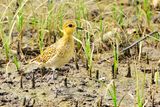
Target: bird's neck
(68, 36)
(68, 39)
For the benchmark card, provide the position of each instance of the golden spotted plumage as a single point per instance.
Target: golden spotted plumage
(60, 52)
(47, 54)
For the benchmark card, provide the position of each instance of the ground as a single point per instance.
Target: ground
(70, 86)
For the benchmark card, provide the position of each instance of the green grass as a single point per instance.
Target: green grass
(16, 62)
(49, 17)
(42, 30)
(5, 41)
(140, 89)
(34, 21)
(147, 10)
(113, 93)
(118, 14)
(20, 21)
(89, 53)
(6, 46)
(50, 23)
(80, 14)
(60, 16)
(115, 63)
(101, 29)
(157, 78)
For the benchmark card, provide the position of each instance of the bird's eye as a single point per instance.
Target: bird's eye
(70, 25)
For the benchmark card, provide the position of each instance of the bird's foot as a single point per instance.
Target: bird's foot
(62, 71)
(54, 75)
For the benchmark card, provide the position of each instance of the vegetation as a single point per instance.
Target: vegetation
(115, 34)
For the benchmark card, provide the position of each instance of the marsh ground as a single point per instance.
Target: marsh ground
(82, 90)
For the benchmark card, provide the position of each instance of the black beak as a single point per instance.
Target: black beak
(79, 28)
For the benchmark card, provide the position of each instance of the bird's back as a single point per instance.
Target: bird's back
(57, 54)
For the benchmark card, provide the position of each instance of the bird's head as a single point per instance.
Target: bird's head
(69, 27)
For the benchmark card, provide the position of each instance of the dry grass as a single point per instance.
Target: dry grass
(36, 24)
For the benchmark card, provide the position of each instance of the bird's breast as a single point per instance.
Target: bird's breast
(66, 50)
(64, 53)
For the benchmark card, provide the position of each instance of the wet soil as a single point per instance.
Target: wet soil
(74, 88)
(71, 87)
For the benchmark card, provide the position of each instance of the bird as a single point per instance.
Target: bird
(59, 53)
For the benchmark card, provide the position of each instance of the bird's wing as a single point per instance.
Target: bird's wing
(48, 53)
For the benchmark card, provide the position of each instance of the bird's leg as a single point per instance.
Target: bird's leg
(33, 79)
(43, 70)
(21, 78)
(55, 74)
